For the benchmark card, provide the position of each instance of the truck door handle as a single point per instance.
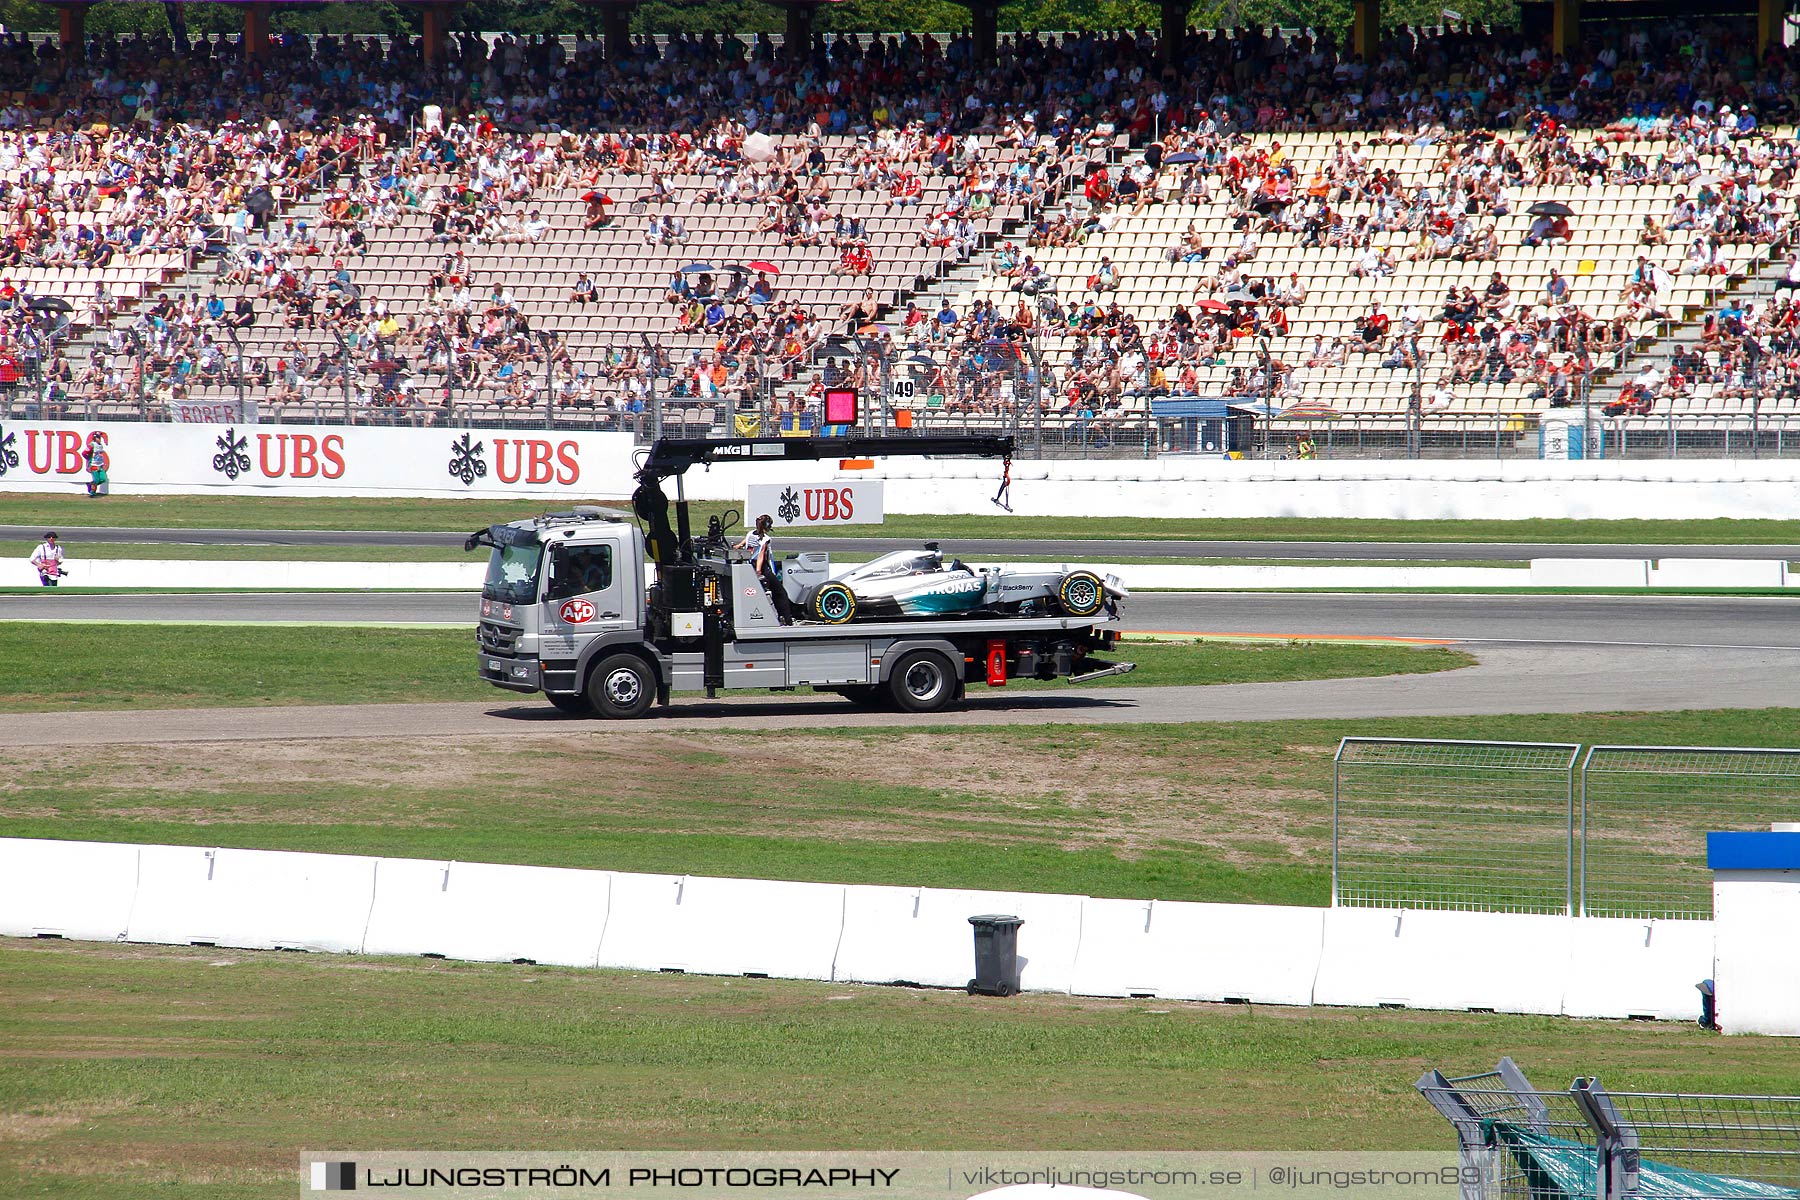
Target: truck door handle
(609, 616)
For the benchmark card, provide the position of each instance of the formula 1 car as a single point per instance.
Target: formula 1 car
(920, 583)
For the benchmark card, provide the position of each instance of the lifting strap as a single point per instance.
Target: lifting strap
(1003, 497)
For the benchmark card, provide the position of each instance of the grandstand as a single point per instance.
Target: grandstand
(420, 262)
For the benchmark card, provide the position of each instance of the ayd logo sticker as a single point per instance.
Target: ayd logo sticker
(578, 612)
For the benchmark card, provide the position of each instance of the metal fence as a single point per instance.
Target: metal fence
(1516, 1142)
(1645, 814)
(1541, 828)
(1451, 824)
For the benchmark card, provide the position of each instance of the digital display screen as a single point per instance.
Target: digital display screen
(840, 406)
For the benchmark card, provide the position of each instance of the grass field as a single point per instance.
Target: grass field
(206, 1071)
(461, 516)
(1176, 812)
(96, 666)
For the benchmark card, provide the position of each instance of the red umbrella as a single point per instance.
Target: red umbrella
(602, 197)
(767, 268)
(1210, 306)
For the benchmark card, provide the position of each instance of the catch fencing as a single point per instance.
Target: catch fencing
(1517, 1142)
(1518, 827)
(1453, 824)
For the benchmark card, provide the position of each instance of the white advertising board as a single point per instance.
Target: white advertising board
(318, 460)
(840, 502)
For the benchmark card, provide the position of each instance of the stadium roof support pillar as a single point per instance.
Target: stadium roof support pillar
(434, 25)
(1565, 26)
(1771, 15)
(799, 31)
(256, 29)
(615, 30)
(71, 30)
(1365, 30)
(1174, 31)
(984, 27)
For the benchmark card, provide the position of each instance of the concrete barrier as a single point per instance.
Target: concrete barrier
(252, 899)
(923, 936)
(487, 913)
(1508, 962)
(1622, 967)
(78, 890)
(183, 895)
(1434, 490)
(1590, 572)
(723, 926)
(1718, 573)
(238, 574)
(1260, 953)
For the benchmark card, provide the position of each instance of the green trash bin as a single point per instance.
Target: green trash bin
(996, 955)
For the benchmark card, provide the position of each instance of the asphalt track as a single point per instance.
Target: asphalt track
(1099, 549)
(1537, 654)
(1624, 622)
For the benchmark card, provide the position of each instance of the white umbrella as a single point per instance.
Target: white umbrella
(759, 147)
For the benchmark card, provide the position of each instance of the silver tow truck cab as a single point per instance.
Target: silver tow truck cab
(557, 588)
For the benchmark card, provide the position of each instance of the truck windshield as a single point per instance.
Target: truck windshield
(513, 573)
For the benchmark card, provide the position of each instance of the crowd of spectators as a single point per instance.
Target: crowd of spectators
(151, 153)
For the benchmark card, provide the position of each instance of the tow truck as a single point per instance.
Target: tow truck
(607, 618)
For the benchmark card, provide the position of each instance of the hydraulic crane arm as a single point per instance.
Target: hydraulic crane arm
(673, 456)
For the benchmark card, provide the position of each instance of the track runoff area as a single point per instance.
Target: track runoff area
(1209, 791)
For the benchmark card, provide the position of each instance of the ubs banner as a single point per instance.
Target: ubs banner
(837, 503)
(314, 460)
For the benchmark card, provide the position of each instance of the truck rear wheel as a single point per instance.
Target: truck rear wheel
(1080, 593)
(622, 687)
(922, 682)
(575, 704)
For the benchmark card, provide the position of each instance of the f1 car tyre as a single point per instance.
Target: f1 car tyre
(833, 603)
(923, 682)
(1080, 593)
(575, 704)
(621, 687)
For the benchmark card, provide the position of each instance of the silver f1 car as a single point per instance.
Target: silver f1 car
(917, 583)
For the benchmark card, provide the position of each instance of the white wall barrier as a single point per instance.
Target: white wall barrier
(1261, 953)
(1268, 954)
(1620, 967)
(1432, 490)
(1509, 962)
(77, 890)
(1719, 573)
(723, 926)
(922, 935)
(238, 574)
(484, 912)
(254, 899)
(357, 460)
(1590, 572)
(318, 460)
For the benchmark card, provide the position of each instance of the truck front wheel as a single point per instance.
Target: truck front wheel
(922, 682)
(622, 687)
